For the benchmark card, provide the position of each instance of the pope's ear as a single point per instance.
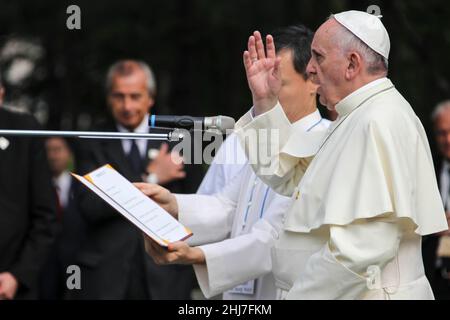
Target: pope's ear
(354, 65)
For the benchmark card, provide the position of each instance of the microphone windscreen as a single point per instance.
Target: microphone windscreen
(226, 123)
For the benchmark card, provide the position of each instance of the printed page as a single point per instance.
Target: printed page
(142, 211)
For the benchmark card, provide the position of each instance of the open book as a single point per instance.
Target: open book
(134, 205)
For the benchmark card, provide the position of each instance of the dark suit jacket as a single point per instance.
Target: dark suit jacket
(441, 287)
(71, 232)
(114, 250)
(27, 205)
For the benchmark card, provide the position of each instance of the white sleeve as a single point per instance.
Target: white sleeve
(213, 181)
(228, 162)
(210, 217)
(340, 269)
(232, 262)
(278, 153)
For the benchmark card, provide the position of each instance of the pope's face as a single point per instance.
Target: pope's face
(327, 65)
(442, 130)
(296, 93)
(129, 99)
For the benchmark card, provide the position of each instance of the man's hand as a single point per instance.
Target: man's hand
(161, 196)
(175, 253)
(263, 72)
(8, 286)
(168, 166)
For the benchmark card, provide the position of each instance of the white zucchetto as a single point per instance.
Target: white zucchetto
(368, 28)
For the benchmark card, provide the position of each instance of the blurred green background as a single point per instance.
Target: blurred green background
(195, 48)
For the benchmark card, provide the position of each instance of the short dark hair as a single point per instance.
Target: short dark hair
(297, 38)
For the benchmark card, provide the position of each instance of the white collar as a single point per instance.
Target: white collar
(141, 128)
(354, 99)
(365, 88)
(63, 180)
(306, 123)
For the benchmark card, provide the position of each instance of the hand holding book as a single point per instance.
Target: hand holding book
(128, 200)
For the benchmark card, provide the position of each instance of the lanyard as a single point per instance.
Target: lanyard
(315, 125)
(250, 201)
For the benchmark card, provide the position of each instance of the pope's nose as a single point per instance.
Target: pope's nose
(311, 72)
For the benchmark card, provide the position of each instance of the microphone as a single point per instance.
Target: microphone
(220, 123)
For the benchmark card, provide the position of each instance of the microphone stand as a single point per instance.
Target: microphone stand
(175, 135)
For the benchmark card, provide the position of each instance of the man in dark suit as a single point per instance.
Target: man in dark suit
(113, 261)
(27, 208)
(70, 226)
(437, 260)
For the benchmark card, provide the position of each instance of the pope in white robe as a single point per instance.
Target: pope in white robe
(236, 229)
(366, 192)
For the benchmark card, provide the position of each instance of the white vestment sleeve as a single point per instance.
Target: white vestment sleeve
(209, 217)
(340, 269)
(228, 162)
(235, 261)
(214, 180)
(278, 153)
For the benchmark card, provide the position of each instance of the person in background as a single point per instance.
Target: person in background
(27, 208)
(112, 258)
(436, 257)
(71, 227)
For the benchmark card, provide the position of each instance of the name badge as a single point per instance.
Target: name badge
(247, 288)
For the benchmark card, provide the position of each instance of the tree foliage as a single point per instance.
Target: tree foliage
(195, 48)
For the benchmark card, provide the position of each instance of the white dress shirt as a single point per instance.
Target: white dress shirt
(141, 143)
(445, 184)
(62, 184)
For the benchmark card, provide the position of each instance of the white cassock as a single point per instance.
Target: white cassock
(230, 159)
(361, 204)
(236, 229)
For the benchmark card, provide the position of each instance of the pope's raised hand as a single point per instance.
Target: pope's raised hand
(263, 72)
